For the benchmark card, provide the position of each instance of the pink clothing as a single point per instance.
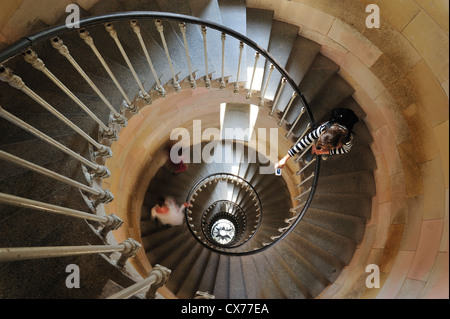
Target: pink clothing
(174, 215)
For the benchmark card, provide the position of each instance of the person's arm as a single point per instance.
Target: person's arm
(307, 140)
(301, 145)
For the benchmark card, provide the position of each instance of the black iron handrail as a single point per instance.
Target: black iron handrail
(21, 45)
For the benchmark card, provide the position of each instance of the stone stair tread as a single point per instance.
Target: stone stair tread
(288, 278)
(337, 245)
(315, 258)
(236, 278)
(297, 68)
(193, 35)
(360, 182)
(358, 205)
(282, 39)
(209, 278)
(259, 25)
(182, 268)
(222, 284)
(348, 226)
(251, 278)
(334, 92)
(233, 15)
(194, 275)
(267, 278)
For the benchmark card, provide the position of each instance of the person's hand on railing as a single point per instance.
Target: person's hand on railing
(319, 150)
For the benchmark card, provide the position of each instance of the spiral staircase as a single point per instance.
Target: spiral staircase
(310, 223)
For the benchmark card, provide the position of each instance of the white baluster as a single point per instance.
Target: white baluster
(84, 34)
(160, 29)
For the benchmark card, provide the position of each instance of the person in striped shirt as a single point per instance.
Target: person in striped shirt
(332, 137)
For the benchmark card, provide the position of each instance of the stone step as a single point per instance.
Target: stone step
(282, 39)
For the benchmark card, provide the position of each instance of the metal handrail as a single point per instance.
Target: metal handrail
(19, 46)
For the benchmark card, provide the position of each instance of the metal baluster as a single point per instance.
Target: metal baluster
(207, 79)
(160, 29)
(305, 167)
(295, 123)
(299, 196)
(155, 280)
(113, 33)
(236, 84)
(275, 102)
(301, 136)
(304, 152)
(249, 93)
(305, 180)
(192, 83)
(84, 34)
(99, 171)
(32, 58)
(58, 44)
(136, 28)
(289, 220)
(109, 223)
(128, 248)
(99, 196)
(222, 80)
(263, 96)
(294, 95)
(16, 82)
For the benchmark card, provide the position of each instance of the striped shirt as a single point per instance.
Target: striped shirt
(314, 135)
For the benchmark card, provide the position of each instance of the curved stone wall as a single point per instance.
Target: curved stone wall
(400, 76)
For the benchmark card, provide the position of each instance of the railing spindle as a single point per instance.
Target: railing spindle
(305, 180)
(32, 58)
(16, 82)
(192, 83)
(160, 29)
(299, 196)
(58, 44)
(249, 93)
(137, 29)
(110, 222)
(205, 49)
(128, 248)
(263, 95)
(155, 279)
(294, 95)
(275, 102)
(222, 79)
(99, 196)
(300, 137)
(84, 34)
(113, 33)
(236, 84)
(99, 171)
(295, 123)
